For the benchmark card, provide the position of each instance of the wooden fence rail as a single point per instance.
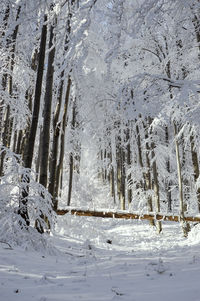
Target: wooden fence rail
(127, 215)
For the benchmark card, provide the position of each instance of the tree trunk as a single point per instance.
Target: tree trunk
(147, 175)
(185, 225)
(26, 131)
(120, 157)
(113, 167)
(38, 88)
(44, 160)
(156, 189)
(55, 143)
(195, 163)
(39, 154)
(123, 177)
(127, 215)
(47, 113)
(129, 177)
(112, 184)
(62, 142)
(29, 148)
(19, 142)
(71, 169)
(56, 166)
(168, 183)
(71, 157)
(8, 80)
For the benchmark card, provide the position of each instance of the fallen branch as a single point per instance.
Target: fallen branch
(128, 215)
(6, 243)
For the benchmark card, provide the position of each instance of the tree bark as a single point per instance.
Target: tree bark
(45, 140)
(147, 175)
(127, 215)
(55, 143)
(38, 88)
(29, 148)
(129, 176)
(47, 113)
(168, 183)
(71, 157)
(195, 163)
(156, 189)
(120, 157)
(62, 142)
(8, 81)
(185, 225)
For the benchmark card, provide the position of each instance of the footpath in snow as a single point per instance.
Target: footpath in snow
(93, 259)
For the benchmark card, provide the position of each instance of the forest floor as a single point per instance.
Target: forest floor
(93, 259)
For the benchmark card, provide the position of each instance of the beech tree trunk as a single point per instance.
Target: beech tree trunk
(62, 143)
(55, 178)
(120, 157)
(147, 175)
(55, 143)
(195, 163)
(113, 167)
(29, 148)
(123, 179)
(71, 157)
(156, 189)
(185, 225)
(45, 140)
(129, 176)
(47, 113)
(28, 158)
(8, 81)
(112, 178)
(168, 183)
(127, 215)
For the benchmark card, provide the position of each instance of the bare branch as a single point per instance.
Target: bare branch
(145, 49)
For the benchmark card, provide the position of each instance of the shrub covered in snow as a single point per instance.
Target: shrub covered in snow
(13, 227)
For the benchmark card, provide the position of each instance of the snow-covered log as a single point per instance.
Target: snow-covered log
(127, 215)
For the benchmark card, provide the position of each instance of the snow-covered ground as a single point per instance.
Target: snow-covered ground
(100, 259)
